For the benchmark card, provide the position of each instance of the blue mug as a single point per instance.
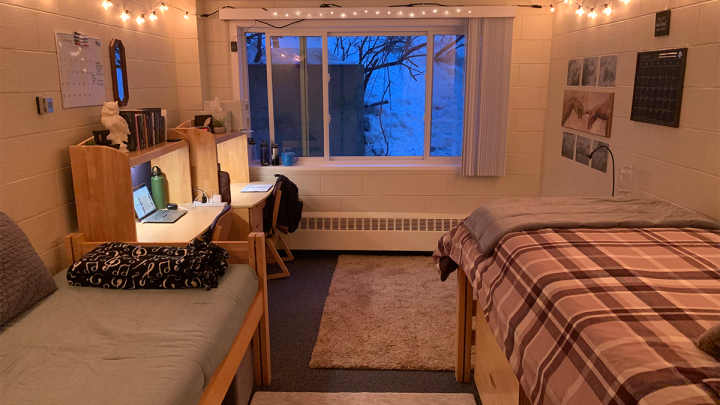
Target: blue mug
(289, 158)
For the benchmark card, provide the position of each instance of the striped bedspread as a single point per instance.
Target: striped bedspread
(591, 316)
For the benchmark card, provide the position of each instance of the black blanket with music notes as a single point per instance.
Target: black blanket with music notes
(125, 266)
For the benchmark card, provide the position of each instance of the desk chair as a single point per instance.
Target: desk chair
(274, 237)
(220, 228)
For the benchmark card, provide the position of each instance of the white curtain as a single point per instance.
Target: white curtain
(487, 93)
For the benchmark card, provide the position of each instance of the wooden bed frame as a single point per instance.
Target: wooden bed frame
(255, 327)
(494, 376)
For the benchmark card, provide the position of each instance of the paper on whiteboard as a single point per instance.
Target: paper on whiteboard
(82, 81)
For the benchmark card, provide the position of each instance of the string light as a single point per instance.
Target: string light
(187, 15)
(552, 9)
(434, 11)
(124, 15)
(592, 13)
(107, 4)
(153, 17)
(579, 11)
(607, 10)
(141, 19)
(163, 7)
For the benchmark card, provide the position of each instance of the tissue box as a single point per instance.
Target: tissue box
(239, 111)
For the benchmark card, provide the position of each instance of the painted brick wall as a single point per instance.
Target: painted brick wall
(681, 165)
(35, 179)
(420, 190)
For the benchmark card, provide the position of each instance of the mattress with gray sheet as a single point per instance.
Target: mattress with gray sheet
(86, 345)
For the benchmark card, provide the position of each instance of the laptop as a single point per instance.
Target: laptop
(147, 212)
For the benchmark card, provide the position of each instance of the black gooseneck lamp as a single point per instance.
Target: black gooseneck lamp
(613, 163)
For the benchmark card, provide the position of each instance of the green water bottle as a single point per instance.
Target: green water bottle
(157, 185)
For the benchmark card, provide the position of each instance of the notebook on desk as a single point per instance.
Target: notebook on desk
(147, 212)
(257, 188)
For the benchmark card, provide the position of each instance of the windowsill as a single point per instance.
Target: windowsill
(341, 167)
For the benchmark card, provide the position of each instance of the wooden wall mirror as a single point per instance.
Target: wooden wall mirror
(121, 93)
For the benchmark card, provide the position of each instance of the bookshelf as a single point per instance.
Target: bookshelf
(102, 180)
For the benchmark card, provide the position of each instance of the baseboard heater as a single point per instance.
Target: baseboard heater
(371, 231)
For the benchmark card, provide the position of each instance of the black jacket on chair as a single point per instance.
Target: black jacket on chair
(290, 210)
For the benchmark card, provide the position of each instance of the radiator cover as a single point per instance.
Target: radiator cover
(371, 231)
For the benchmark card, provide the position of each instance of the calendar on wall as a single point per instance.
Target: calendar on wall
(659, 82)
(81, 71)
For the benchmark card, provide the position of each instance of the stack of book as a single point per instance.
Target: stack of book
(147, 127)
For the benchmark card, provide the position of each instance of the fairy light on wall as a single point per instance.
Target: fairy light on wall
(404, 12)
(152, 13)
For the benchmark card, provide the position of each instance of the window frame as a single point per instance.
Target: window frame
(328, 29)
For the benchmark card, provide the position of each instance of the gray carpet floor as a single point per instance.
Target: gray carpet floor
(296, 306)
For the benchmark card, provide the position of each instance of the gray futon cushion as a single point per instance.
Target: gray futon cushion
(24, 279)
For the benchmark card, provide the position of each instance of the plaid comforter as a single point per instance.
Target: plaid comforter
(590, 316)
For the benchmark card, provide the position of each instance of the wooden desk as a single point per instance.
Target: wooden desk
(248, 209)
(185, 229)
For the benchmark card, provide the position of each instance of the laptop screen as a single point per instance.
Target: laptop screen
(142, 200)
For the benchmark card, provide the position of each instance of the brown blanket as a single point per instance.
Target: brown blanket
(496, 219)
(604, 316)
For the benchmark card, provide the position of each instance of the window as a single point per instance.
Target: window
(447, 95)
(382, 96)
(297, 94)
(377, 95)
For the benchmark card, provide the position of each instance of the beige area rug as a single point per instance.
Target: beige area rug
(388, 313)
(359, 398)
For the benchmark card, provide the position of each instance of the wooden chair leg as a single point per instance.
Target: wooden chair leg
(285, 247)
(278, 259)
(464, 328)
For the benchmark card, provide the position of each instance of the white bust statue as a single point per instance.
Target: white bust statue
(116, 124)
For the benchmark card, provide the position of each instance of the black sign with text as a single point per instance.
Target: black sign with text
(662, 23)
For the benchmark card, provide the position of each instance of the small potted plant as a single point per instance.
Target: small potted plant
(218, 126)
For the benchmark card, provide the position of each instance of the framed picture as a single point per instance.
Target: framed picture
(588, 111)
(608, 68)
(574, 71)
(589, 71)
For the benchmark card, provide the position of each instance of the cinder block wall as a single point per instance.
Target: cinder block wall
(419, 190)
(35, 179)
(681, 165)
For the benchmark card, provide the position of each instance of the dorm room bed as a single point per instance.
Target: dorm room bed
(586, 301)
(101, 346)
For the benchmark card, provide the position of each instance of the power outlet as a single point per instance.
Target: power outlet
(211, 203)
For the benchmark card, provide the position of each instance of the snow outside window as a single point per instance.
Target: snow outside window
(378, 94)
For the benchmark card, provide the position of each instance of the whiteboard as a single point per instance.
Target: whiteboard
(81, 71)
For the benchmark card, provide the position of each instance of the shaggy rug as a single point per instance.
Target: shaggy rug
(389, 313)
(359, 398)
